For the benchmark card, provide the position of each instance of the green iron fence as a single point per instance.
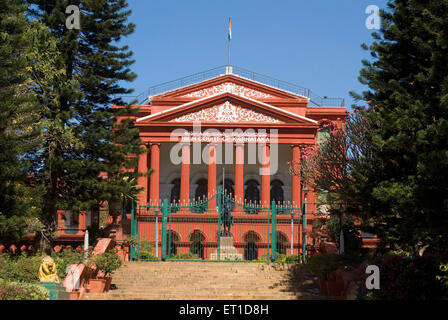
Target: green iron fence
(219, 229)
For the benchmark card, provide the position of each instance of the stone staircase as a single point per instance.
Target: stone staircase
(210, 281)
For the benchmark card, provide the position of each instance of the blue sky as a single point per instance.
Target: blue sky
(315, 44)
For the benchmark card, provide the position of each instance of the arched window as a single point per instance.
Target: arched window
(230, 192)
(252, 193)
(197, 246)
(251, 248)
(175, 193)
(228, 187)
(201, 190)
(277, 191)
(175, 190)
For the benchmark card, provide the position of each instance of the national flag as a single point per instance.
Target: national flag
(230, 30)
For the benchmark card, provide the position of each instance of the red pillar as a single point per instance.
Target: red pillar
(61, 222)
(155, 175)
(143, 180)
(211, 190)
(185, 176)
(295, 185)
(82, 215)
(239, 174)
(265, 176)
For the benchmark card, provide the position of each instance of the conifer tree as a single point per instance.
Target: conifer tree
(84, 142)
(405, 191)
(19, 123)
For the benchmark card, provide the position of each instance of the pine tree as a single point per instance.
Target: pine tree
(84, 140)
(406, 192)
(19, 128)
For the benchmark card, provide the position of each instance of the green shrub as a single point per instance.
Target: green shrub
(147, 255)
(61, 266)
(131, 242)
(186, 256)
(352, 240)
(13, 290)
(322, 265)
(145, 246)
(280, 257)
(108, 263)
(294, 258)
(22, 268)
(66, 257)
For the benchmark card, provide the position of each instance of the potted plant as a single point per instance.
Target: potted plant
(123, 250)
(107, 263)
(322, 267)
(74, 295)
(335, 286)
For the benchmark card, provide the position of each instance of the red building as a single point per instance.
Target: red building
(232, 128)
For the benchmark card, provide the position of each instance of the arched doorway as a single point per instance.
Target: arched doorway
(251, 248)
(200, 196)
(228, 187)
(172, 239)
(282, 243)
(175, 193)
(201, 190)
(197, 246)
(230, 192)
(252, 195)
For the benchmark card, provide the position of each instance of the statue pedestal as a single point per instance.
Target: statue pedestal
(57, 291)
(227, 250)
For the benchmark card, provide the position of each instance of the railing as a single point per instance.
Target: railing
(314, 98)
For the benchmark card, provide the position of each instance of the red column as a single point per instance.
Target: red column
(239, 173)
(82, 222)
(155, 175)
(211, 190)
(185, 176)
(265, 176)
(295, 185)
(143, 180)
(61, 222)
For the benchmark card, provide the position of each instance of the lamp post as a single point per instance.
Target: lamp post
(304, 223)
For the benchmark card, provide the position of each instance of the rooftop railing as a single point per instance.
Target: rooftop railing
(314, 98)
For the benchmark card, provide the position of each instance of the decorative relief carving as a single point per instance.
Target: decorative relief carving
(228, 87)
(226, 112)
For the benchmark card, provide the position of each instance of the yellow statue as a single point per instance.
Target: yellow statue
(47, 270)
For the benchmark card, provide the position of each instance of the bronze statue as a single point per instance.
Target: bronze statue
(226, 216)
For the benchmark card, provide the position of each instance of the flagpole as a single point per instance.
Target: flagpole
(228, 64)
(230, 39)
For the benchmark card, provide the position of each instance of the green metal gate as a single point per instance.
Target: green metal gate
(219, 229)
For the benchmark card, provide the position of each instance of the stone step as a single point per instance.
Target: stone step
(208, 281)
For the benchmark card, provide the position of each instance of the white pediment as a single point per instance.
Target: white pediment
(227, 113)
(228, 87)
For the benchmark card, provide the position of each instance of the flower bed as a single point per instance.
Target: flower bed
(13, 290)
